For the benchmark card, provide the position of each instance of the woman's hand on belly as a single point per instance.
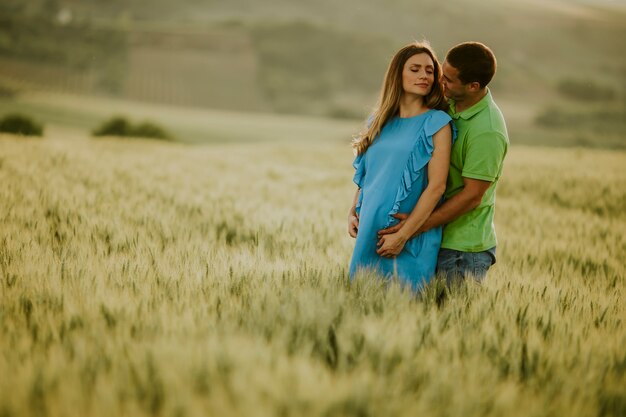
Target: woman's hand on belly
(393, 229)
(390, 246)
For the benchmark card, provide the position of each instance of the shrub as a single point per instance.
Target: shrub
(21, 125)
(120, 126)
(597, 120)
(585, 90)
(150, 130)
(117, 126)
(556, 118)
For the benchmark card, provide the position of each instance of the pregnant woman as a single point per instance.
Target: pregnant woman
(401, 166)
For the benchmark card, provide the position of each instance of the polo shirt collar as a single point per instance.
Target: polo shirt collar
(472, 111)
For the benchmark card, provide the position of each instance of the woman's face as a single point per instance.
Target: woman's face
(418, 75)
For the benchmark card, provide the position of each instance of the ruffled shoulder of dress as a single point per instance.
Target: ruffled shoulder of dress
(419, 157)
(436, 121)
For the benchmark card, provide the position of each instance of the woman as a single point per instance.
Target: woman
(401, 166)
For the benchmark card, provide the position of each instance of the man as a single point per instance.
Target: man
(469, 239)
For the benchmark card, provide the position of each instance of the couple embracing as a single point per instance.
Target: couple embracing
(427, 166)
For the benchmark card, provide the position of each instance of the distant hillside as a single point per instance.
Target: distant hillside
(322, 58)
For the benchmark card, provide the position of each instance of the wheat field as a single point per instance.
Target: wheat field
(140, 278)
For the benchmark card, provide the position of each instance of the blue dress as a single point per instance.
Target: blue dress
(392, 174)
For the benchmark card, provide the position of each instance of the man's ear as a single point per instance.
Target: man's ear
(474, 86)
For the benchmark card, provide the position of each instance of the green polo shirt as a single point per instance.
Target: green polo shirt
(478, 153)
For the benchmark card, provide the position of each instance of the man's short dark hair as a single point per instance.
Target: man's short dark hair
(474, 61)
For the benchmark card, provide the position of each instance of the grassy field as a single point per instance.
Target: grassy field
(147, 278)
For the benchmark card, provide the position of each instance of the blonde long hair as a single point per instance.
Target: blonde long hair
(391, 92)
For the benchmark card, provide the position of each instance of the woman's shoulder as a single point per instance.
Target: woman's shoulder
(439, 115)
(437, 120)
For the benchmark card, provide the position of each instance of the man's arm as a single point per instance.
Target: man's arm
(482, 163)
(464, 201)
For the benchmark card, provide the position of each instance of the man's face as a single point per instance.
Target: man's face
(452, 87)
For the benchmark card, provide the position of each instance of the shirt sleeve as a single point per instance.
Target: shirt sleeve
(484, 157)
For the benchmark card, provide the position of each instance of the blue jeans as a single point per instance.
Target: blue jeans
(454, 265)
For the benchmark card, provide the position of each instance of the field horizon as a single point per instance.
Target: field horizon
(74, 115)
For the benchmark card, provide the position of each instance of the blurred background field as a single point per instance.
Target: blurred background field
(144, 277)
(561, 78)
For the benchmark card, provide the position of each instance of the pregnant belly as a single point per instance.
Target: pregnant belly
(374, 213)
